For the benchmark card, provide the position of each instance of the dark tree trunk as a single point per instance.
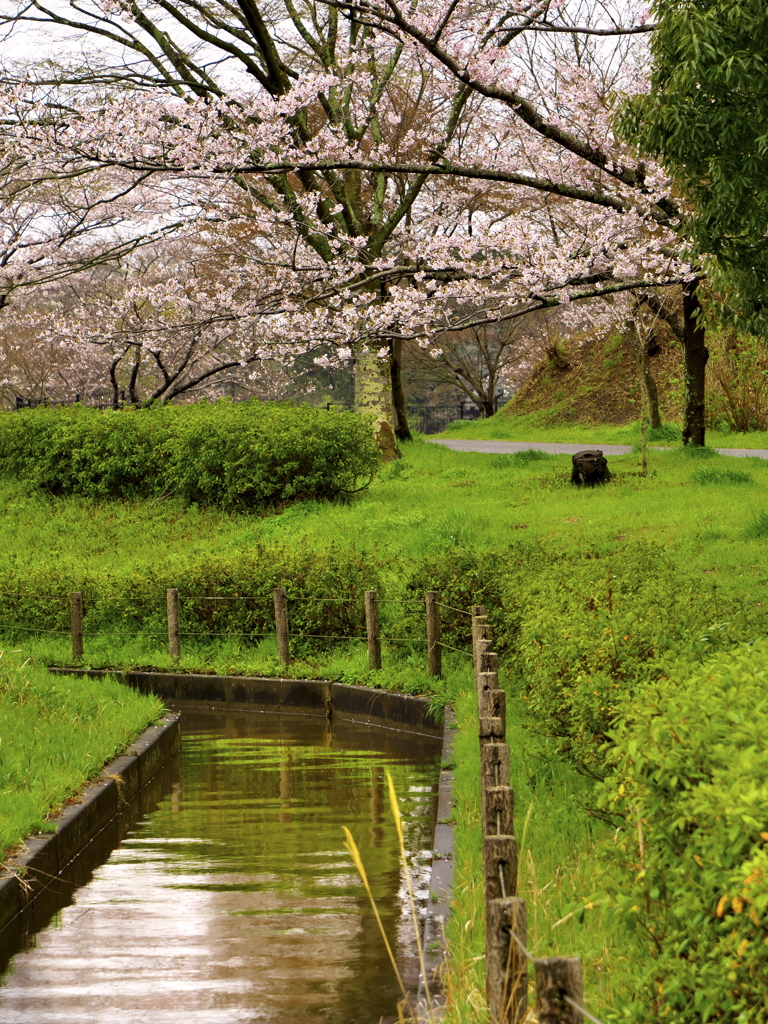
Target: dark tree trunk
(402, 430)
(696, 355)
(654, 413)
(486, 408)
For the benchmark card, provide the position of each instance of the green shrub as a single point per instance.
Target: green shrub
(687, 871)
(247, 456)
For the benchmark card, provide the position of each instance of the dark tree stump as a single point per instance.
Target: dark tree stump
(590, 468)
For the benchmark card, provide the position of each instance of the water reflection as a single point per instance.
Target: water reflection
(235, 899)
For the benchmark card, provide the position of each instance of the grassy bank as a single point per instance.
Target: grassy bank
(557, 843)
(57, 733)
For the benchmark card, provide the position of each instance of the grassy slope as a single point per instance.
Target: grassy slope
(432, 501)
(591, 397)
(57, 732)
(507, 426)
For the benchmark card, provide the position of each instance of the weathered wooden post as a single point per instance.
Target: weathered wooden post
(494, 765)
(559, 990)
(76, 619)
(174, 619)
(505, 960)
(493, 716)
(373, 630)
(487, 681)
(499, 866)
(498, 811)
(480, 631)
(281, 625)
(434, 650)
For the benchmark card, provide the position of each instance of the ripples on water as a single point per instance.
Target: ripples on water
(235, 900)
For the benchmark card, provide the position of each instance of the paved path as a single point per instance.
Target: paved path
(508, 447)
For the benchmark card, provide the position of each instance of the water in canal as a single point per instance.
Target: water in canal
(234, 899)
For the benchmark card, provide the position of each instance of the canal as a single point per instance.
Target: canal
(234, 898)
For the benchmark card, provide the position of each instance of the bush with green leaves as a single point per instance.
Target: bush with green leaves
(687, 871)
(251, 455)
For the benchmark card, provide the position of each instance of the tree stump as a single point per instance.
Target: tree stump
(590, 468)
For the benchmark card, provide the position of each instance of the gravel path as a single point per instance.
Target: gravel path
(508, 447)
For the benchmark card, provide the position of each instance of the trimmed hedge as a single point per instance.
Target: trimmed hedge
(250, 456)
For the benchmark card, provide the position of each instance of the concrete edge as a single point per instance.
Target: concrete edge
(440, 883)
(44, 857)
(287, 696)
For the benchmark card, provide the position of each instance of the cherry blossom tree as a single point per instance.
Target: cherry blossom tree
(405, 164)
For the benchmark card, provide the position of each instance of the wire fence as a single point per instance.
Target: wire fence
(183, 612)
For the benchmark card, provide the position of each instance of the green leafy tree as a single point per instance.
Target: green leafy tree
(706, 119)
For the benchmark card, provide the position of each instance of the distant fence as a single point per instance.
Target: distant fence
(431, 419)
(558, 981)
(373, 637)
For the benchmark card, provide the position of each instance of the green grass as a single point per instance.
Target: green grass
(533, 427)
(433, 503)
(557, 842)
(57, 732)
(433, 500)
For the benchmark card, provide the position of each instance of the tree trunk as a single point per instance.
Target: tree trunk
(652, 396)
(696, 355)
(402, 429)
(373, 396)
(486, 408)
(640, 351)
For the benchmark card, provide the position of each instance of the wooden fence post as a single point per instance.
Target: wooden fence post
(487, 681)
(559, 985)
(489, 660)
(498, 811)
(373, 630)
(480, 631)
(434, 650)
(174, 628)
(494, 765)
(500, 866)
(281, 625)
(493, 716)
(506, 963)
(76, 618)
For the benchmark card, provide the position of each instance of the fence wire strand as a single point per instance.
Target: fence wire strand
(34, 629)
(461, 611)
(448, 647)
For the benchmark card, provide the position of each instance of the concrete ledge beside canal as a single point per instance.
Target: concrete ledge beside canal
(44, 858)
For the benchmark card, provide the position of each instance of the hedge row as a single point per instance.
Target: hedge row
(687, 871)
(251, 455)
